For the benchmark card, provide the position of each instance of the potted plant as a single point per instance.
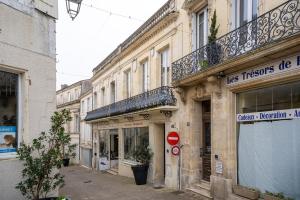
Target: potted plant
(142, 155)
(42, 159)
(213, 48)
(275, 196)
(246, 192)
(68, 154)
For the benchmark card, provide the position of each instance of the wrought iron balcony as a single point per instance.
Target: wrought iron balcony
(162, 96)
(277, 24)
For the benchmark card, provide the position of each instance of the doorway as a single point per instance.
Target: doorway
(114, 151)
(206, 138)
(109, 150)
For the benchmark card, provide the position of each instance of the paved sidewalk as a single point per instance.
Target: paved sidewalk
(84, 184)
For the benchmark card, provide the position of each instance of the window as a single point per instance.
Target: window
(134, 137)
(88, 104)
(269, 150)
(127, 83)
(77, 124)
(199, 29)
(95, 100)
(82, 107)
(145, 69)
(8, 113)
(165, 68)
(112, 92)
(245, 11)
(103, 96)
(76, 94)
(69, 96)
(280, 97)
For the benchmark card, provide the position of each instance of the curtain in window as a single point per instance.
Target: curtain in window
(269, 156)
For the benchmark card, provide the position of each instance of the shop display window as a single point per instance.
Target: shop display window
(134, 137)
(8, 112)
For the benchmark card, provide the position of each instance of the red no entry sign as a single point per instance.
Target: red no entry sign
(173, 138)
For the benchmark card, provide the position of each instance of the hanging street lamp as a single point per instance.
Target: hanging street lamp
(73, 7)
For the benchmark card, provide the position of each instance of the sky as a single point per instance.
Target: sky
(83, 43)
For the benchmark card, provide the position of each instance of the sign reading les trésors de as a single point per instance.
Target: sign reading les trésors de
(281, 66)
(173, 138)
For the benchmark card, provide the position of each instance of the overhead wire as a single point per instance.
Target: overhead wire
(113, 13)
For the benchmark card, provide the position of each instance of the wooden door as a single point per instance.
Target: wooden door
(206, 148)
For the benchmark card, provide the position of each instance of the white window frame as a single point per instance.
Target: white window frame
(236, 12)
(145, 76)
(103, 96)
(195, 28)
(165, 67)
(113, 92)
(127, 77)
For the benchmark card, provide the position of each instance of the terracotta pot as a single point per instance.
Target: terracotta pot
(245, 192)
(270, 197)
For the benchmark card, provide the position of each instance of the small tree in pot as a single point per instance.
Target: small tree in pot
(142, 155)
(214, 50)
(43, 158)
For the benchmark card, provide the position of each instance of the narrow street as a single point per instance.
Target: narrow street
(84, 184)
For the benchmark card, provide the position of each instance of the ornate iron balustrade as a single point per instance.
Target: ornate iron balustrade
(162, 96)
(277, 24)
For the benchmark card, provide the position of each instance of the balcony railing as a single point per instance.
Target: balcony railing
(162, 96)
(273, 26)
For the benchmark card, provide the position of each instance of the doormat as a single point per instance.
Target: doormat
(178, 192)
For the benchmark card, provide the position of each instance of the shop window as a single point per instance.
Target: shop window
(8, 112)
(280, 97)
(296, 95)
(103, 141)
(264, 99)
(268, 151)
(134, 137)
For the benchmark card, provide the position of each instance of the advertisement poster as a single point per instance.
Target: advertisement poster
(8, 142)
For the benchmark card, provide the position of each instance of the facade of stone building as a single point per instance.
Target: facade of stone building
(234, 101)
(27, 81)
(240, 94)
(68, 97)
(86, 102)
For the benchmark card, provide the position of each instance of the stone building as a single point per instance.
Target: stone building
(27, 81)
(86, 101)
(68, 97)
(240, 113)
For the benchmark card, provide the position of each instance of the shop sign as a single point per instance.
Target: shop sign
(8, 141)
(103, 164)
(269, 115)
(281, 66)
(173, 138)
(175, 150)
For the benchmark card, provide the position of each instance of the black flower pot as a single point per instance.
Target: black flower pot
(66, 162)
(140, 173)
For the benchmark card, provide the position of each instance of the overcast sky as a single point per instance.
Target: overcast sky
(83, 43)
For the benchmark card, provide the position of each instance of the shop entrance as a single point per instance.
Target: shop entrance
(206, 140)
(109, 150)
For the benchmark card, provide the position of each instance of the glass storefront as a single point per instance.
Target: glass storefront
(269, 150)
(134, 137)
(8, 112)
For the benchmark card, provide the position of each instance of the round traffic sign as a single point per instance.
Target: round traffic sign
(173, 138)
(175, 150)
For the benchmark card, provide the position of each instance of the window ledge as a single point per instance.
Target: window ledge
(8, 156)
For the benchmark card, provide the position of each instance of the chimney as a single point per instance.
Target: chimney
(63, 86)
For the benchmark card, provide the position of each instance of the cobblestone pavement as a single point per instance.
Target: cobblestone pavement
(84, 184)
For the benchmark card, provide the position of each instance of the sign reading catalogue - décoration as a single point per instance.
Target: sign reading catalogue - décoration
(281, 66)
(269, 115)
